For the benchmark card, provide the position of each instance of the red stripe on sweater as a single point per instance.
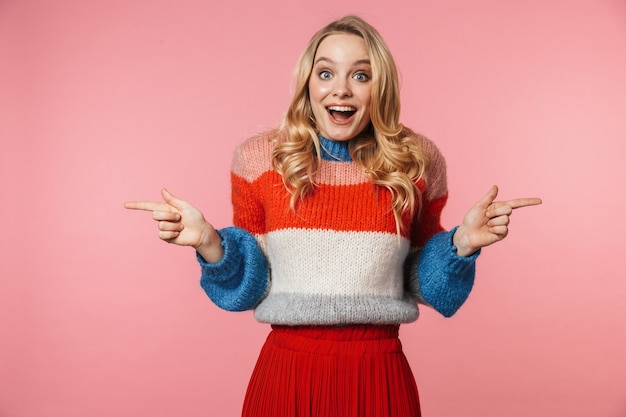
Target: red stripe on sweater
(263, 206)
(429, 222)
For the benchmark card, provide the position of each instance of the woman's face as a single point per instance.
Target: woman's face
(340, 87)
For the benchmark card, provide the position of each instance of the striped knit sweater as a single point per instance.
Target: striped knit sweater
(337, 259)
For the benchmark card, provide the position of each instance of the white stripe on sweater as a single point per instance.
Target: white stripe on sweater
(313, 261)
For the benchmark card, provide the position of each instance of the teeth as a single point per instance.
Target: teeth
(341, 108)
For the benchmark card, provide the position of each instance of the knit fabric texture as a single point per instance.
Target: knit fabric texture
(336, 259)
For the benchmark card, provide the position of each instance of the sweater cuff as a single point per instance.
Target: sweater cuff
(459, 265)
(229, 262)
(445, 278)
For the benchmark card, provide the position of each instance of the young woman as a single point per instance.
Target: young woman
(337, 236)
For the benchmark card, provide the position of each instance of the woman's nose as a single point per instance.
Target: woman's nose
(341, 88)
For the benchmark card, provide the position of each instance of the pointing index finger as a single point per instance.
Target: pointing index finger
(523, 202)
(146, 205)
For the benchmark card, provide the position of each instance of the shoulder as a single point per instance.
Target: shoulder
(431, 150)
(425, 145)
(253, 156)
(435, 175)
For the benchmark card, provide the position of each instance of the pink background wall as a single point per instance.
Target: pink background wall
(105, 101)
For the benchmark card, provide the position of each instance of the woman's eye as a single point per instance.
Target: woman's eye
(361, 76)
(325, 75)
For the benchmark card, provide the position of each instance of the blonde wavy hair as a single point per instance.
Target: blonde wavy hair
(387, 151)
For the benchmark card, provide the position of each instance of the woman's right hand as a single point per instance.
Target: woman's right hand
(182, 224)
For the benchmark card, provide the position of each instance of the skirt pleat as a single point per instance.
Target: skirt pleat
(327, 371)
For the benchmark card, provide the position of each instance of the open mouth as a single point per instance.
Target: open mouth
(341, 113)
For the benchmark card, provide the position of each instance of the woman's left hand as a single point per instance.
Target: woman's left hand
(487, 222)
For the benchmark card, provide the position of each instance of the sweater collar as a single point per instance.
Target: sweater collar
(336, 151)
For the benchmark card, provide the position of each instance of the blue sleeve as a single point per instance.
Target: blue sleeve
(239, 280)
(445, 279)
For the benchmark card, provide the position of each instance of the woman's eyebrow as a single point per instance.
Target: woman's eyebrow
(330, 61)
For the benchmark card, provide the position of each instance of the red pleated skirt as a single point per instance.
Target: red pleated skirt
(327, 371)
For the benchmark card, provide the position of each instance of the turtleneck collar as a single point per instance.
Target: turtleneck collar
(337, 151)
